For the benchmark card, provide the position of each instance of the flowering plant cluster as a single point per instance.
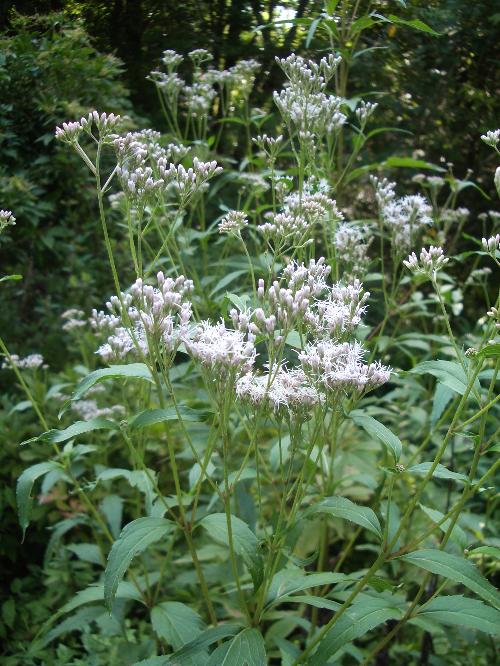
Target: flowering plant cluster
(251, 417)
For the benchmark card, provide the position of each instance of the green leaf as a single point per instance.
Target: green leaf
(25, 485)
(457, 533)
(449, 373)
(245, 542)
(410, 163)
(489, 351)
(176, 623)
(455, 568)
(459, 611)
(380, 431)
(441, 472)
(288, 581)
(152, 416)
(78, 428)
(491, 551)
(416, 24)
(246, 649)
(87, 552)
(134, 539)
(442, 396)
(199, 644)
(77, 622)
(341, 507)
(7, 278)
(361, 618)
(311, 600)
(129, 371)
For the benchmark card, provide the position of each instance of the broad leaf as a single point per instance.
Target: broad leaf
(24, 486)
(176, 623)
(455, 568)
(288, 581)
(380, 431)
(245, 542)
(245, 649)
(78, 428)
(153, 416)
(449, 373)
(129, 371)
(361, 618)
(459, 611)
(441, 472)
(134, 539)
(341, 507)
(457, 533)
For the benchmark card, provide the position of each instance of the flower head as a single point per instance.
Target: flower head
(429, 262)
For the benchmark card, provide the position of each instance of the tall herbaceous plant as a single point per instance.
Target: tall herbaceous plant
(253, 482)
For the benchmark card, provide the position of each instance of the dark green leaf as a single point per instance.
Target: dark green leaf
(134, 539)
(341, 507)
(380, 431)
(454, 568)
(459, 611)
(24, 486)
(245, 542)
(176, 623)
(245, 649)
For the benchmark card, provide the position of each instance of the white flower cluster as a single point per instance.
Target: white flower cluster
(491, 245)
(494, 314)
(233, 222)
(329, 364)
(30, 362)
(187, 182)
(284, 391)
(198, 97)
(6, 219)
(352, 249)
(73, 319)
(225, 352)
(298, 217)
(145, 313)
(339, 367)
(429, 262)
(491, 138)
(106, 125)
(89, 409)
(340, 312)
(143, 164)
(364, 111)
(303, 103)
(404, 217)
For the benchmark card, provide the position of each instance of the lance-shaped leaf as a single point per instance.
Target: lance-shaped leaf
(454, 568)
(24, 487)
(129, 371)
(176, 623)
(245, 649)
(341, 507)
(361, 618)
(459, 611)
(151, 417)
(245, 542)
(78, 428)
(380, 431)
(134, 539)
(441, 472)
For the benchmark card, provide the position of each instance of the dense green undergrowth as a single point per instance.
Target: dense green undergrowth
(274, 438)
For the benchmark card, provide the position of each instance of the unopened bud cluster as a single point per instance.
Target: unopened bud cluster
(6, 219)
(106, 125)
(145, 315)
(429, 262)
